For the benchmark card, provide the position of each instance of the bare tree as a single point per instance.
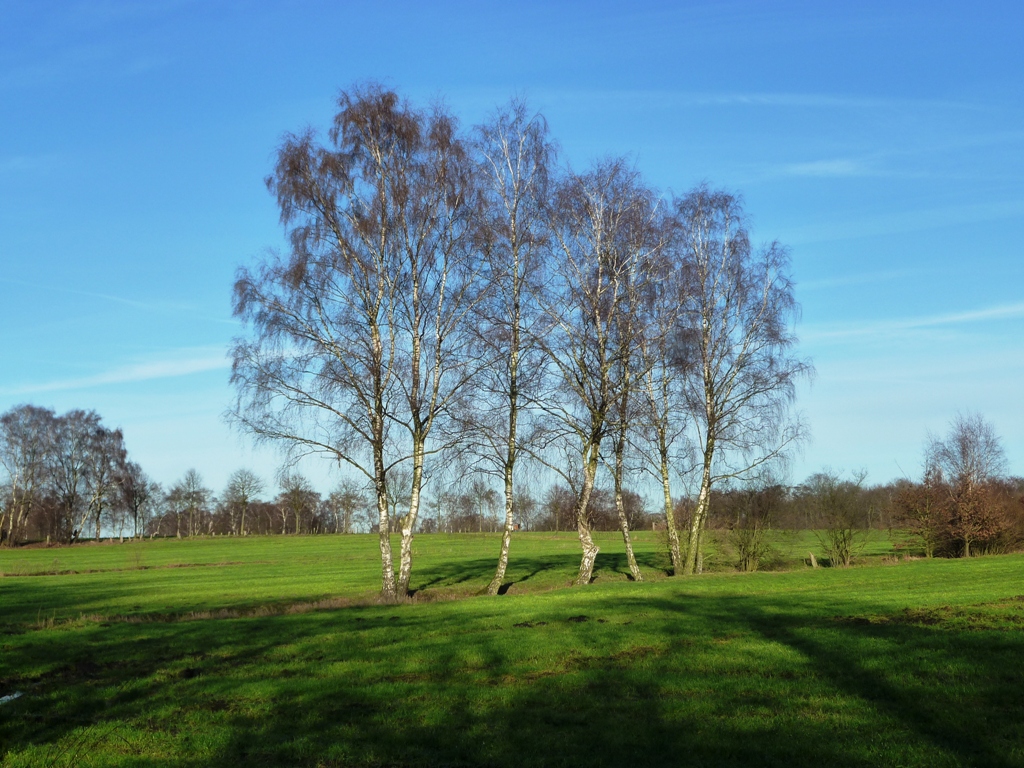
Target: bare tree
(196, 499)
(105, 465)
(437, 505)
(69, 468)
(525, 510)
(320, 374)
(399, 494)
(483, 499)
(967, 459)
(629, 329)
(661, 425)
(344, 503)
(186, 507)
(733, 347)
(440, 274)
(596, 218)
(559, 504)
(25, 432)
(923, 510)
(971, 452)
(297, 499)
(72, 462)
(137, 495)
(174, 503)
(357, 330)
(840, 517)
(515, 155)
(243, 487)
(753, 509)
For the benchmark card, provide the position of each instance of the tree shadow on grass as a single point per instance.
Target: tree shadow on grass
(734, 681)
(554, 569)
(472, 705)
(953, 689)
(522, 569)
(650, 563)
(961, 700)
(592, 709)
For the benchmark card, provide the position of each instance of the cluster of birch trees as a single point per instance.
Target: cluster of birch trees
(456, 298)
(64, 476)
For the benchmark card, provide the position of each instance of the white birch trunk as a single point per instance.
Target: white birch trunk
(590, 549)
(506, 538)
(694, 552)
(670, 516)
(510, 457)
(409, 520)
(620, 450)
(388, 588)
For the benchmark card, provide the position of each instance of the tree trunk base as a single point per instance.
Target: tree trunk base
(586, 574)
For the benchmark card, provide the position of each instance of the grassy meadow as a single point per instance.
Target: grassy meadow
(272, 651)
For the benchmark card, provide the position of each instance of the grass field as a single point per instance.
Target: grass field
(270, 651)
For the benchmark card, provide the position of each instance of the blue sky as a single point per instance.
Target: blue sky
(882, 142)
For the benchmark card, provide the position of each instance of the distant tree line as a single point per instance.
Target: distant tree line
(68, 478)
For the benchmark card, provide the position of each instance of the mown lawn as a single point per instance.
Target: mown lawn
(272, 573)
(271, 652)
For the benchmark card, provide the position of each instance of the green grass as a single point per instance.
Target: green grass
(271, 652)
(274, 573)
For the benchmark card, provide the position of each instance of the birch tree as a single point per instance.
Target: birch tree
(25, 434)
(195, 499)
(319, 374)
(356, 330)
(243, 487)
(105, 465)
(595, 221)
(137, 496)
(968, 459)
(733, 347)
(639, 250)
(661, 426)
(439, 279)
(343, 503)
(297, 499)
(515, 156)
(68, 469)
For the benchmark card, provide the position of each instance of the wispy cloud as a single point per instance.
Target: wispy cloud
(905, 221)
(842, 281)
(960, 369)
(917, 160)
(198, 361)
(898, 325)
(1002, 312)
(830, 168)
(148, 305)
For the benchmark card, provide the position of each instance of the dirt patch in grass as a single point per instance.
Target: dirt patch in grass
(56, 571)
(259, 611)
